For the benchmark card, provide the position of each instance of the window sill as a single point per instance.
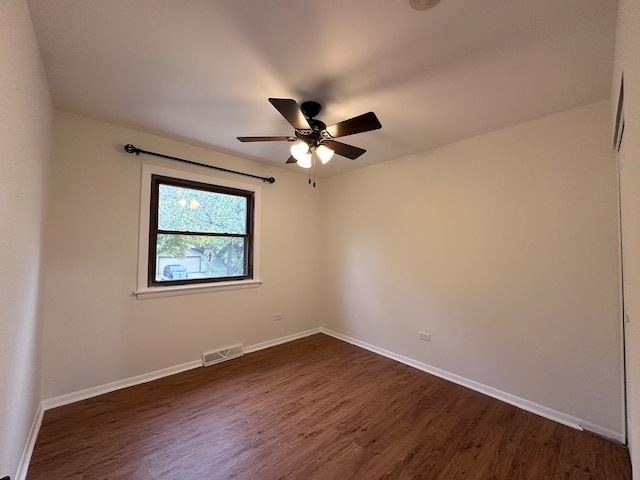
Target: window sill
(156, 292)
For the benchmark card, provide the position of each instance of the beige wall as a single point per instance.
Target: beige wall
(25, 118)
(96, 331)
(628, 61)
(504, 247)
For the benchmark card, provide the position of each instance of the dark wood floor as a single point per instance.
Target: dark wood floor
(316, 408)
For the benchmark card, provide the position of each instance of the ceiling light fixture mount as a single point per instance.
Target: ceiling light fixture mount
(423, 4)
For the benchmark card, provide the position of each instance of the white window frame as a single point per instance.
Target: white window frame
(143, 290)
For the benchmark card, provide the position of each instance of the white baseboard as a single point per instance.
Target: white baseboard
(23, 466)
(603, 432)
(522, 403)
(117, 385)
(281, 340)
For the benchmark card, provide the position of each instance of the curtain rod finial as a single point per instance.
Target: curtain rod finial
(131, 149)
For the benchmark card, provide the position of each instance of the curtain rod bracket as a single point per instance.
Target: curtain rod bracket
(132, 149)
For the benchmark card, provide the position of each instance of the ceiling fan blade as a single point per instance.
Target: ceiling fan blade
(344, 149)
(267, 139)
(362, 123)
(290, 110)
(291, 159)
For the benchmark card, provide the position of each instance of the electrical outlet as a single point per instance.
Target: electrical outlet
(424, 336)
(277, 317)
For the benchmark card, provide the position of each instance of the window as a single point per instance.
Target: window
(201, 233)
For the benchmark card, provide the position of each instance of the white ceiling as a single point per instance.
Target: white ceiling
(202, 70)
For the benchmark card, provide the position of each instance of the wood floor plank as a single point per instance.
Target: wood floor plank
(316, 408)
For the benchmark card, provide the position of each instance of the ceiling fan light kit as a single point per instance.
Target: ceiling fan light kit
(312, 137)
(303, 153)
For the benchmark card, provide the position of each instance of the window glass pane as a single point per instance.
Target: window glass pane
(180, 257)
(191, 210)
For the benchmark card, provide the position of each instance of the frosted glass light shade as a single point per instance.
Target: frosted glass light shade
(300, 151)
(324, 153)
(305, 161)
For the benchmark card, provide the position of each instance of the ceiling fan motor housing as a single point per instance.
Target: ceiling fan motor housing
(318, 132)
(310, 108)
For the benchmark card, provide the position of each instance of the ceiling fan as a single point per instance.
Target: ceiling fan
(313, 136)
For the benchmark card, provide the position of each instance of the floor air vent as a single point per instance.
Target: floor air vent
(217, 356)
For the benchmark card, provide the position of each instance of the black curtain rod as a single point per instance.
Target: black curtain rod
(131, 149)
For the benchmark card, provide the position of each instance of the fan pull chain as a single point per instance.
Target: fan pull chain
(314, 169)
